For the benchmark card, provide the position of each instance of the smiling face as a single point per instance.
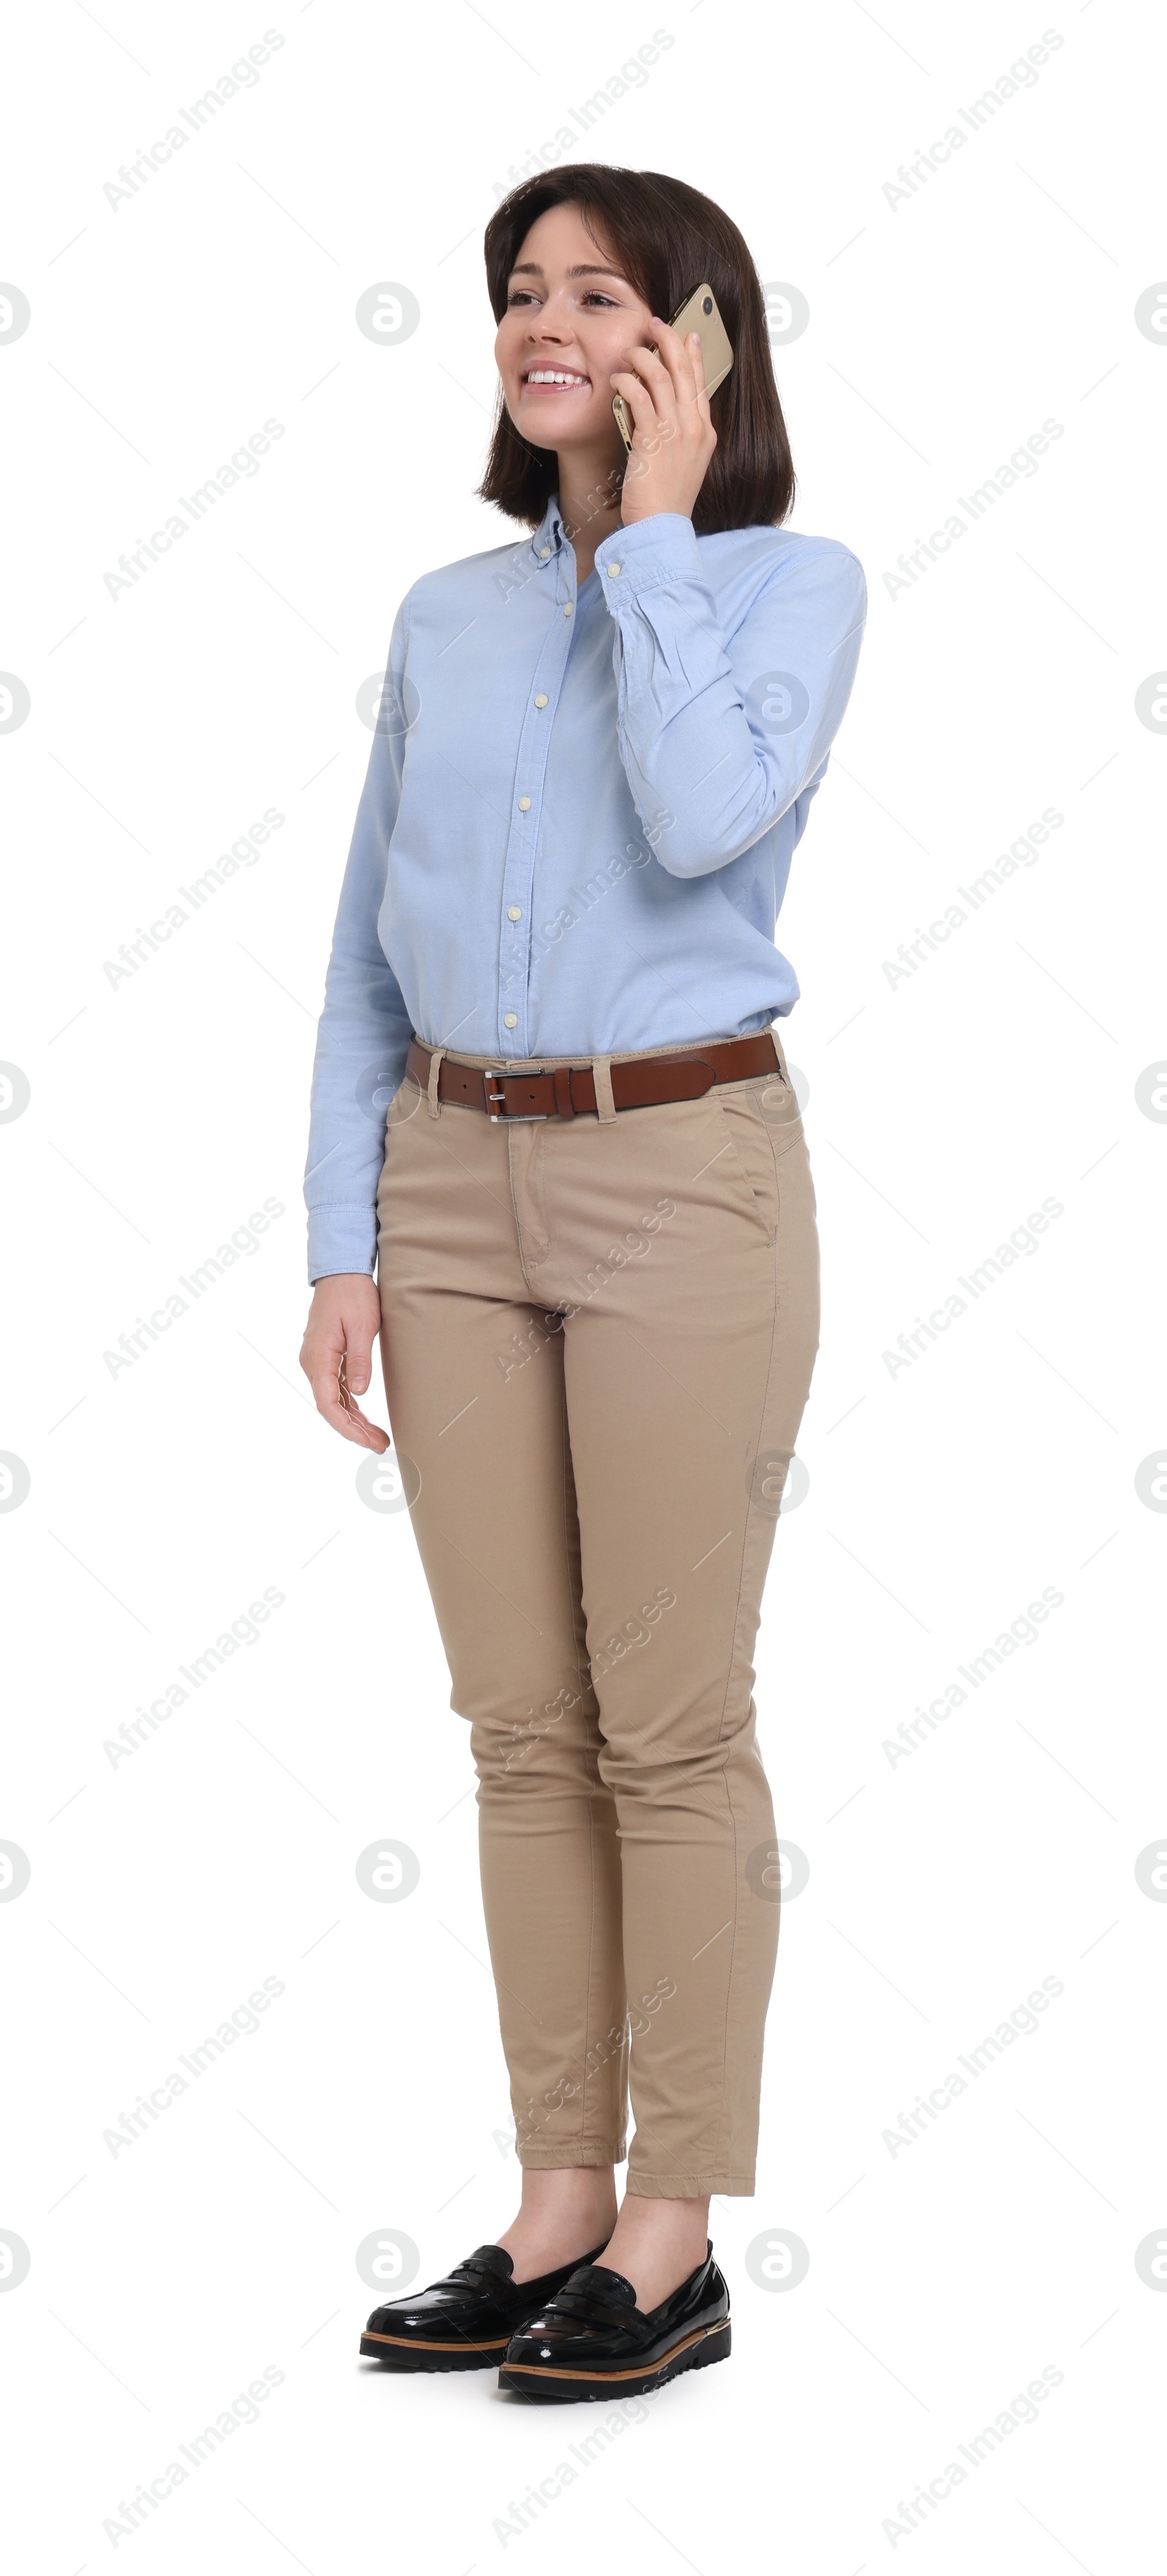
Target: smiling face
(570, 322)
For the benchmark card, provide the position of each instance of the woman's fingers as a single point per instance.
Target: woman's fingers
(683, 362)
(653, 375)
(667, 395)
(354, 1424)
(632, 385)
(335, 1402)
(637, 398)
(697, 354)
(651, 364)
(337, 1353)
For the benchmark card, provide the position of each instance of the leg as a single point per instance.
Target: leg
(565, 2213)
(689, 1350)
(474, 1376)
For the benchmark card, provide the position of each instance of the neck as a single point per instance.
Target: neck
(589, 500)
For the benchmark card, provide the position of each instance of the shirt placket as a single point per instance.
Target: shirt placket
(544, 689)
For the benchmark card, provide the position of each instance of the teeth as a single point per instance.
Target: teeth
(553, 376)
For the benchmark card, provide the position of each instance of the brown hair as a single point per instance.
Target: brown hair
(668, 239)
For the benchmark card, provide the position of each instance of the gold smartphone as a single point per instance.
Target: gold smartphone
(698, 313)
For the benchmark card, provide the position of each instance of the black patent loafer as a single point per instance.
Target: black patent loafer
(463, 2322)
(592, 2341)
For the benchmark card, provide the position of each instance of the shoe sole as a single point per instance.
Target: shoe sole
(407, 2352)
(549, 2386)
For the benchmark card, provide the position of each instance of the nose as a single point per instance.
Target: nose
(550, 323)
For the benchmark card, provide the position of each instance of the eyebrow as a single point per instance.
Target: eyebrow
(531, 268)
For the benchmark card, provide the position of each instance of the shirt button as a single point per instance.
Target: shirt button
(541, 702)
(567, 608)
(613, 569)
(514, 914)
(544, 551)
(524, 804)
(510, 1019)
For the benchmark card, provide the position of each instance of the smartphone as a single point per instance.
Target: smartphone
(698, 313)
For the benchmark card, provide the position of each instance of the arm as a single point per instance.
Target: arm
(703, 740)
(360, 1059)
(364, 1027)
(714, 752)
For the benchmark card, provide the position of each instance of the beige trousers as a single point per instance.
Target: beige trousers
(598, 1338)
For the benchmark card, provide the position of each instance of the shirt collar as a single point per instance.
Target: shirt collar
(550, 535)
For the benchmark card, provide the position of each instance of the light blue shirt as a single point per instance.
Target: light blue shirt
(578, 819)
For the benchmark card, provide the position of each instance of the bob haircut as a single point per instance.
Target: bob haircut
(667, 238)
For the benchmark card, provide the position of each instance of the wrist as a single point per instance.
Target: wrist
(347, 1283)
(654, 510)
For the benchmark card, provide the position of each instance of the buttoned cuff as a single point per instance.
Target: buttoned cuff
(341, 1238)
(650, 552)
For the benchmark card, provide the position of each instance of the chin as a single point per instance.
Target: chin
(540, 426)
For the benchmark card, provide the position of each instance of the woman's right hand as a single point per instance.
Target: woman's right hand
(336, 1354)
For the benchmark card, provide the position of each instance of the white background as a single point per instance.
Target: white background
(943, 1887)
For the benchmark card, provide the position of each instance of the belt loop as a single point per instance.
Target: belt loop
(602, 1078)
(432, 1101)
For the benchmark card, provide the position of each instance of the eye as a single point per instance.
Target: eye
(594, 295)
(520, 295)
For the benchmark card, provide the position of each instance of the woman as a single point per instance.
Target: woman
(591, 1215)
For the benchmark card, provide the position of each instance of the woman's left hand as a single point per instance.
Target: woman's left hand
(673, 436)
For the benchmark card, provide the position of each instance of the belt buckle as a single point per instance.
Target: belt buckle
(503, 1115)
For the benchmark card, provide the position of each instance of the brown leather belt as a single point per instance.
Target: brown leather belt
(568, 1091)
